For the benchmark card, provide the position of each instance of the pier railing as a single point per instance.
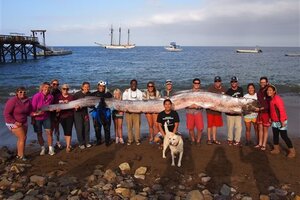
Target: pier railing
(18, 39)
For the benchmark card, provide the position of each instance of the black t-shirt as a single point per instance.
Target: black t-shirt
(170, 118)
(79, 95)
(235, 93)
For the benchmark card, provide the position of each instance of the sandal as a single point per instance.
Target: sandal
(257, 146)
(263, 148)
(216, 142)
(208, 142)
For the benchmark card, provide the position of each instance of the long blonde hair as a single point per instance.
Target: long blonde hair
(117, 90)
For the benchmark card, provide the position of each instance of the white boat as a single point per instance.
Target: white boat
(117, 46)
(292, 54)
(52, 52)
(173, 47)
(256, 50)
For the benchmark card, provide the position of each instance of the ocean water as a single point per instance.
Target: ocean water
(118, 67)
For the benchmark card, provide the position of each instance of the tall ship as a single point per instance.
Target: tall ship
(118, 46)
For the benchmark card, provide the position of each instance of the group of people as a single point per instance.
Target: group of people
(271, 112)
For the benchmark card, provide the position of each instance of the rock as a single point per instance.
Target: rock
(16, 185)
(181, 187)
(15, 169)
(274, 196)
(194, 194)
(74, 198)
(264, 197)
(62, 163)
(91, 179)
(206, 192)
(246, 198)
(205, 179)
(32, 192)
(140, 173)
(297, 197)
(107, 187)
(138, 197)
(109, 175)
(39, 180)
(125, 192)
(281, 192)
(28, 197)
(207, 197)
(157, 187)
(201, 175)
(147, 189)
(4, 154)
(225, 190)
(98, 172)
(271, 188)
(4, 183)
(73, 192)
(124, 167)
(16, 196)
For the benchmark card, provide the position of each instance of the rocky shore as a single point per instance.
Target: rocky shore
(124, 180)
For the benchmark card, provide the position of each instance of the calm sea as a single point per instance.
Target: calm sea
(118, 67)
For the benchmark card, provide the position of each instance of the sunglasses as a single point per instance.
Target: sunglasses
(233, 81)
(55, 83)
(196, 83)
(22, 92)
(150, 86)
(217, 81)
(65, 89)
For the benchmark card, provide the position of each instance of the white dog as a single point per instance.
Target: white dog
(175, 143)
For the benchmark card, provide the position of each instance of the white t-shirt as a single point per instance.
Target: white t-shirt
(132, 95)
(253, 114)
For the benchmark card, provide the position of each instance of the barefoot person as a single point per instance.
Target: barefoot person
(263, 117)
(251, 117)
(42, 119)
(151, 94)
(194, 116)
(66, 117)
(16, 111)
(133, 120)
(214, 118)
(234, 121)
(81, 118)
(118, 118)
(279, 122)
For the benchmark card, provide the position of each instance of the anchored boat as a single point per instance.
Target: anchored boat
(256, 50)
(173, 47)
(59, 52)
(117, 46)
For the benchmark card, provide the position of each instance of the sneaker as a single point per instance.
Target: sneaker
(58, 145)
(121, 140)
(51, 151)
(21, 158)
(88, 145)
(117, 140)
(81, 146)
(43, 151)
(128, 143)
(138, 143)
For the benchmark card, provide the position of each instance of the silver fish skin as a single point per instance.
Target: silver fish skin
(182, 100)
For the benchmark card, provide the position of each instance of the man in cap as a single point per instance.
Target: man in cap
(214, 118)
(101, 115)
(168, 91)
(133, 120)
(234, 121)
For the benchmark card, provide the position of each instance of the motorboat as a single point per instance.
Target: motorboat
(173, 47)
(52, 52)
(117, 46)
(293, 54)
(256, 50)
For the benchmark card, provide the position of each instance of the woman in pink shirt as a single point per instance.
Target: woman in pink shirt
(16, 111)
(279, 122)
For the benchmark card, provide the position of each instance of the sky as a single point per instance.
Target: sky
(157, 22)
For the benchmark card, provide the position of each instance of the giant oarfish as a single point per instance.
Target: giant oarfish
(208, 100)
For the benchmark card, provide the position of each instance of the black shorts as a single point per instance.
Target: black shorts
(67, 124)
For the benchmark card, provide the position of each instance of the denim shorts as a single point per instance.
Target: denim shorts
(39, 124)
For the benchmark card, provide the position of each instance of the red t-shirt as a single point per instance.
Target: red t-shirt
(65, 113)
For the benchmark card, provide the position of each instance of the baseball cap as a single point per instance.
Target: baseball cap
(102, 83)
(168, 82)
(218, 78)
(234, 79)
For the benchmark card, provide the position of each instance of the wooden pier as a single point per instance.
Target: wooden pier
(19, 47)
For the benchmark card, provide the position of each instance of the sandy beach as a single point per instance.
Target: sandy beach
(248, 170)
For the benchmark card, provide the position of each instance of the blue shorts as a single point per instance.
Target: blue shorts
(39, 124)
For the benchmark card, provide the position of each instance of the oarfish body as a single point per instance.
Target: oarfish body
(208, 100)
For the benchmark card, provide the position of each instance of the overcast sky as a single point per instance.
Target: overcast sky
(157, 22)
